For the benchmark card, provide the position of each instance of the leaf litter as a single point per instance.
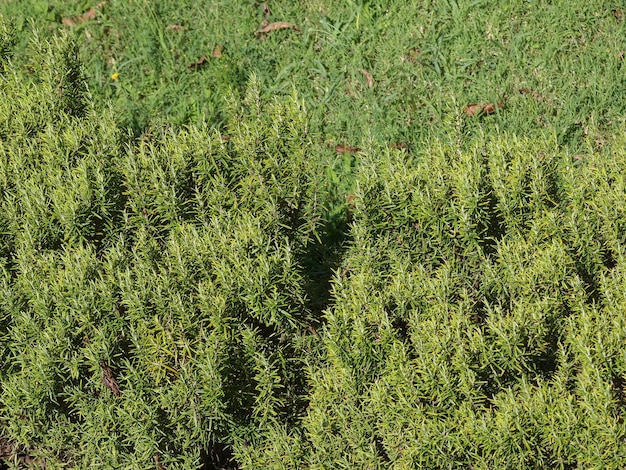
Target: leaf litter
(268, 28)
(482, 109)
(87, 16)
(346, 149)
(218, 50)
(109, 380)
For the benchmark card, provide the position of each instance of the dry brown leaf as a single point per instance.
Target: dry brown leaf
(87, 16)
(481, 108)
(620, 55)
(368, 77)
(472, 109)
(217, 51)
(176, 27)
(313, 331)
(399, 145)
(266, 9)
(198, 63)
(275, 26)
(491, 108)
(109, 380)
(343, 149)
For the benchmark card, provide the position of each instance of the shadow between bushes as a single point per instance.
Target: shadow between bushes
(321, 260)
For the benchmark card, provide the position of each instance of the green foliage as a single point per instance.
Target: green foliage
(192, 277)
(7, 42)
(471, 324)
(153, 302)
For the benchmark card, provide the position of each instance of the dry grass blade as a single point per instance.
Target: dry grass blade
(158, 463)
(368, 77)
(276, 26)
(87, 16)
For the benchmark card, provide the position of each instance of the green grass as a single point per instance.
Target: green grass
(428, 61)
(261, 296)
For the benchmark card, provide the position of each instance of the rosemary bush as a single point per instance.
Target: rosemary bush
(478, 318)
(153, 306)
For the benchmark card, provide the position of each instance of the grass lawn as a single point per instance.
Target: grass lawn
(371, 73)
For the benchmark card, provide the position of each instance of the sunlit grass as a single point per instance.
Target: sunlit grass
(428, 61)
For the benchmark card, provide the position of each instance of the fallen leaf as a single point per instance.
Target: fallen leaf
(368, 77)
(176, 27)
(217, 51)
(472, 109)
(313, 331)
(620, 55)
(198, 63)
(491, 108)
(399, 145)
(343, 149)
(617, 13)
(109, 380)
(87, 16)
(266, 9)
(275, 26)
(481, 108)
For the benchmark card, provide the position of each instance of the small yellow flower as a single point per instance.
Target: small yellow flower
(115, 76)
